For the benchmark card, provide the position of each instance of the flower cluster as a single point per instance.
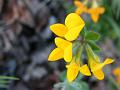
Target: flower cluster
(67, 33)
(94, 11)
(70, 45)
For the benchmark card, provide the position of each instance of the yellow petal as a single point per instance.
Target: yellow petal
(99, 74)
(85, 70)
(61, 43)
(68, 53)
(72, 71)
(59, 29)
(66, 46)
(95, 17)
(75, 25)
(108, 61)
(73, 33)
(101, 65)
(93, 64)
(56, 54)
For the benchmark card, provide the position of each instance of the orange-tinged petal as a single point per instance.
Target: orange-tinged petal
(101, 10)
(98, 10)
(61, 43)
(59, 29)
(116, 71)
(95, 17)
(85, 70)
(79, 4)
(75, 25)
(68, 53)
(118, 79)
(99, 74)
(80, 7)
(79, 11)
(56, 54)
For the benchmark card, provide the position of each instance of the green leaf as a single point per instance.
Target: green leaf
(94, 46)
(4, 81)
(115, 26)
(70, 87)
(84, 86)
(116, 8)
(92, 36)
(80, 85)
(9, 77)
(77, 85)
(80, 77)
(59, 85)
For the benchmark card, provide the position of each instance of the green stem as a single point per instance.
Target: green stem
(90, 52)
(79, 54)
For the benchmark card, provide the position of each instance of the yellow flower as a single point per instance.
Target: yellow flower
(74, 68)
(96, 67)
(116, 72)
(81, 8)
(63, 50)
(95, 64)
(71, 29)
(96, 12)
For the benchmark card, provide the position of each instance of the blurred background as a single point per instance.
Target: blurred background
(26, 41)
